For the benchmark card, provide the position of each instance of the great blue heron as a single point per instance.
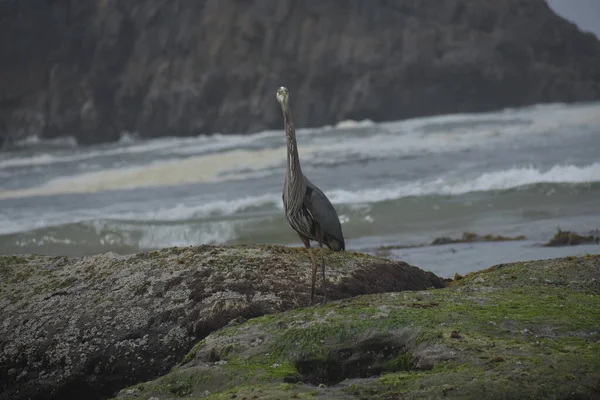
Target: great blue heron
(307, 209)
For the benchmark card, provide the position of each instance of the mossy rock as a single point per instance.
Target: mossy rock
(87, 327)
(524, 330)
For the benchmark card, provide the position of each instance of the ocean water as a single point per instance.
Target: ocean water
(520, 171)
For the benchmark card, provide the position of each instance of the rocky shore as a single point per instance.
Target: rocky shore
(525, 330)
(232, 322)
(96, 69)
(75, 328)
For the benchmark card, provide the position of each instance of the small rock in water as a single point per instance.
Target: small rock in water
(568, 238)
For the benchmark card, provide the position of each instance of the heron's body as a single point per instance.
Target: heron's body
(315, 218)
(307, 209)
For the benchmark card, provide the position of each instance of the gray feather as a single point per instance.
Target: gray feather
(324, 215)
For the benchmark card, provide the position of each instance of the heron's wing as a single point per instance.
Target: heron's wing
(323, 212)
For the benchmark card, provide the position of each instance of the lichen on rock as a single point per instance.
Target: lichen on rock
(522, 330)
(87, 327)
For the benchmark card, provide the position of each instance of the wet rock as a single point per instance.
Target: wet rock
(87, 327)
(94, 69)
(568, 238)
(495, 334)
(469, 237)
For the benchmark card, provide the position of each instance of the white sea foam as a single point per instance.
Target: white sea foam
(199, 209)
(36, 141)
(160, 145)
(60, 158)
(236, 164)
(445, 133)
(164, 147)
(352, 124)
(489, 181)
(148, 236)
(234, 157)
(186, 235)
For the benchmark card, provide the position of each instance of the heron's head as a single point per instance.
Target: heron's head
(282, 96)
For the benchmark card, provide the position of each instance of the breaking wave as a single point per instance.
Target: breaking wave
(512, 178)
(197, 209)
(394, 178)
(490, 181)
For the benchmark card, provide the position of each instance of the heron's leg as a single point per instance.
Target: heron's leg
(314, 268)
(320, 239)
(323, 273)
(314, 276)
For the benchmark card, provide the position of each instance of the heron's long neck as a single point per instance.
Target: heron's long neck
(293, 170)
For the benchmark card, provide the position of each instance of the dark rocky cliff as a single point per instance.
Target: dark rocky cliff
(93, 69)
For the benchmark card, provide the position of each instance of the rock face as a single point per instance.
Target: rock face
(94, 69)
(525, 330)
(83, 328)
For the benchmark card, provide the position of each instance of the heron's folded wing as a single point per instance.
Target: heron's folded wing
(323, 212)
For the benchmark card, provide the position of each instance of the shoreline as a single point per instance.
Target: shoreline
(139, 315)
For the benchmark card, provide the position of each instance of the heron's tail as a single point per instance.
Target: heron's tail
(334, 243)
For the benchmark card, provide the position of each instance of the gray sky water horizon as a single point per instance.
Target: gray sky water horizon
(583, 13)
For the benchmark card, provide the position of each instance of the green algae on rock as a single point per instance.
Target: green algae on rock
(87, 327)
(523, 330)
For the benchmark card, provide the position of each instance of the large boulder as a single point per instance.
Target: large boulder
(93, 69)
(528, 330)
(83, 328)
